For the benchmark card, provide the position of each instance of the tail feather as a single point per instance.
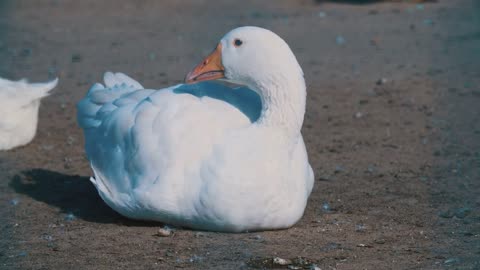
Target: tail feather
(119, 79)
(100, 98)
(44, 88)
(21, 93)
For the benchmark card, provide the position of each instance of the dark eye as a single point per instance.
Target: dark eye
(237, 42)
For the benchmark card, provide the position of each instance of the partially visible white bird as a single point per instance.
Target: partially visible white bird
(19, 103)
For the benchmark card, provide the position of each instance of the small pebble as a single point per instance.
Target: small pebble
(257, 237)
(195, 258)
(382, 81)
(152, 56)
(47, 147)
(428, 22)
(339, 169)
(69, 217)
(462, 212)
(314, 267)
(340, 40)
(76, 58)
(164, 232)
(451, 261)
(280, 261)
(322, 14)
(26, 52)
(70, 140)
(14, 202)
(360, 227)
(47, 237)
(358, 115)
(199, 234)
(446, 214)
(364, 245)
(379, 241)
(294, 267)
(326, 206)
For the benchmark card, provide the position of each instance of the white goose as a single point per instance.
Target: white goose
(205, 155)
(19, 103)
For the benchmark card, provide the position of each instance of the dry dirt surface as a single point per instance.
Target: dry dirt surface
(392, 130)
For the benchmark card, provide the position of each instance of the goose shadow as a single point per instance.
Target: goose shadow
(361, 2)
(71, 194)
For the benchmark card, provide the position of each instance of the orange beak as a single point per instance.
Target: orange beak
(210, 69)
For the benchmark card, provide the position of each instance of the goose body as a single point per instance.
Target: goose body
(204, 155)
(19, 104)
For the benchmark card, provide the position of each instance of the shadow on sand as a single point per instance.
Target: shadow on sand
(71, 194)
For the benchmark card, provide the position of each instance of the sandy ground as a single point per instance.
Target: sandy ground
(397, 164)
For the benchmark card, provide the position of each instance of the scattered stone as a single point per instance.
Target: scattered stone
(323, 178)
(363, 101)
(428, 22)
(14, 202)
(164, 232)
(339, 169)
(47, 237)
(314, 267)
(195, 258)
(365, 245)
(330, 246)
(280, 261)
(152, 56)
(379, 241)
(446, 214)
(322, 14)
(257, 237)
(70, 140)
(382, 81)
(199, 234)
(169, 254)
(26, 52)
(451, 261)
(358, 115)
(340, 40)
(22, 254)
(69, 217)
(47, 147)
(76, 58)
(326, 207)
(463, 212)
(360, 227)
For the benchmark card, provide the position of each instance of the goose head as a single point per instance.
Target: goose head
(249, 56)
(261, 60)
